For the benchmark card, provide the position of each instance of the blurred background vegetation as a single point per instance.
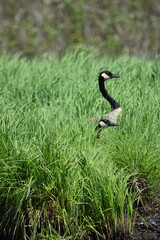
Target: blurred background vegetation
(34, 27)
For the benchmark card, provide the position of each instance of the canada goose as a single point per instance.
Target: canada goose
(115, 106)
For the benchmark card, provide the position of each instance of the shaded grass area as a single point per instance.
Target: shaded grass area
(57, 180)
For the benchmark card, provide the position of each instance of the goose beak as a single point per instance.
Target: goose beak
(114, 76)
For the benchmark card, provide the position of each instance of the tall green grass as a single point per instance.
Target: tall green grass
(57, 180)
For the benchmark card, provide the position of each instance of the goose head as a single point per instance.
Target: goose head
(105, 75)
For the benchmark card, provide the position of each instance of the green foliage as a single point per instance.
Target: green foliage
(57, 180)
(113, 27)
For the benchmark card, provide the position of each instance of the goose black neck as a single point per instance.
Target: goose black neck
(112, 101)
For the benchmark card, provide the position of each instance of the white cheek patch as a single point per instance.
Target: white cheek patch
(102, 124)
(105, 76)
